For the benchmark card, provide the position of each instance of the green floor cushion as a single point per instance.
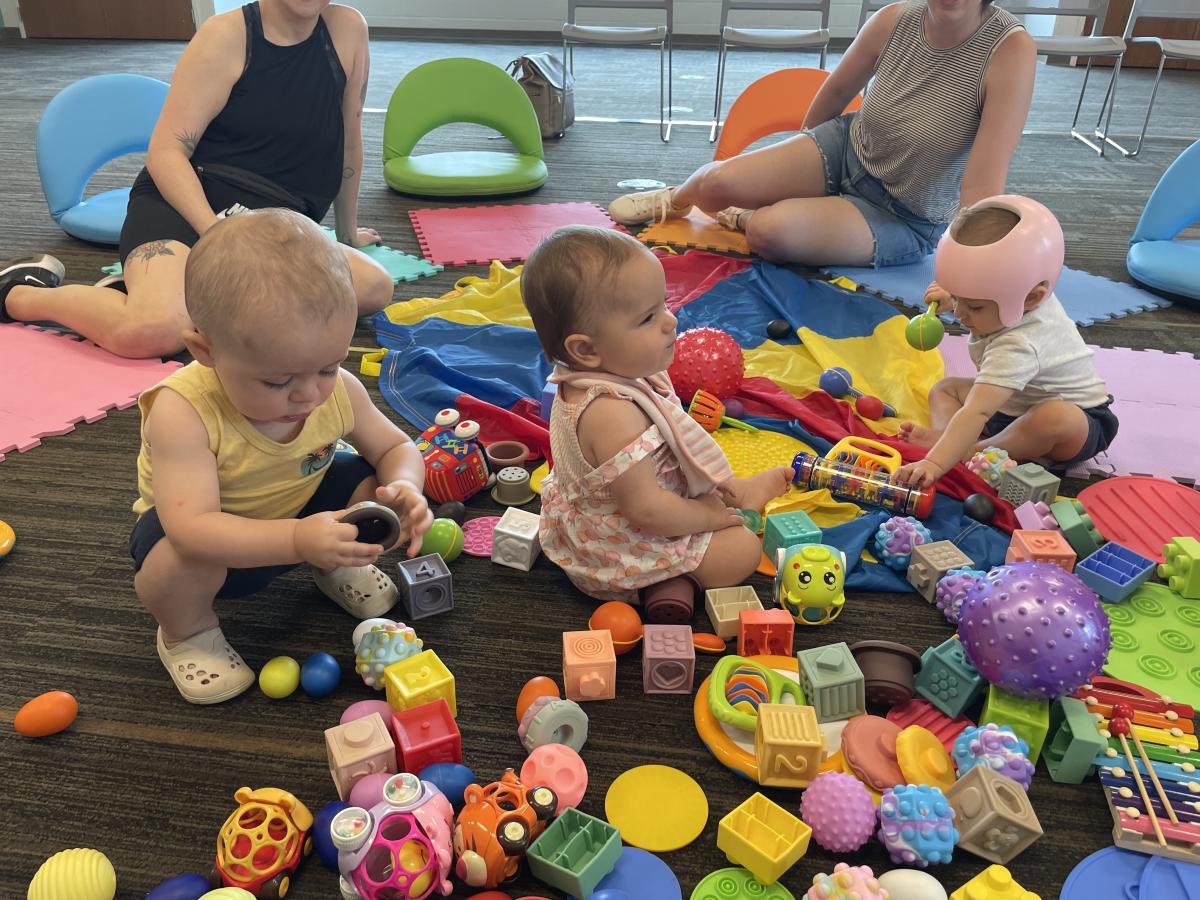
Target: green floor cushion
(465, 173)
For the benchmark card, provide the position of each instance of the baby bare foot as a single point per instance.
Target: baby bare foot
(761, 489)
(913, 433)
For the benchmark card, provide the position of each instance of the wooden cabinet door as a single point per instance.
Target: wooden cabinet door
(138, 19)
(1142, 55)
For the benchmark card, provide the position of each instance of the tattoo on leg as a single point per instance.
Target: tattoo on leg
(150, 250)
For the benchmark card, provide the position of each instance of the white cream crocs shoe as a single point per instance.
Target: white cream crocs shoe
(363, 591)
(205, 668)
(645, 206)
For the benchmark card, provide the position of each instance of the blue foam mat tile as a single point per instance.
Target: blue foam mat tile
(1087, 298)
(401, 266)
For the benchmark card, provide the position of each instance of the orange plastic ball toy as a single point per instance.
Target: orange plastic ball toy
(622, 620)
(540, 686)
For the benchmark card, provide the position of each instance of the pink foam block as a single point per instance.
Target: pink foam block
(479, 234)
(1154, 399)
(52, 382)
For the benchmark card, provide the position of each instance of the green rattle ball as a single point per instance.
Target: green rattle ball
(445, 536)
(924, 332)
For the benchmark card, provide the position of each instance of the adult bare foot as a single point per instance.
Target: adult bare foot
(913, 433)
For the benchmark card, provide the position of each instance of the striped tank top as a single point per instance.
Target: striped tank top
(920, 117)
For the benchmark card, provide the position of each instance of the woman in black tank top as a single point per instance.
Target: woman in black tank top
(264, 110)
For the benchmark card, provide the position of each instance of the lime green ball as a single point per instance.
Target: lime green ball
(280, 677)
(924, 332)
(445, 536)
(228, 893)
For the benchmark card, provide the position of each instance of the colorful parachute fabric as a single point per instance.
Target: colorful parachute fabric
(475, 348)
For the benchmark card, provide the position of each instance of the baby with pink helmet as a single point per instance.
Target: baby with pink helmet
(1037, 393)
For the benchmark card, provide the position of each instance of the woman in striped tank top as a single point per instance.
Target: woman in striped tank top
(952, 85)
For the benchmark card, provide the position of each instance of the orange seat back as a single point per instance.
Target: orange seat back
(775, 103)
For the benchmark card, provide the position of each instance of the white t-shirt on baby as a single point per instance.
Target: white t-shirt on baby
(1042, 357)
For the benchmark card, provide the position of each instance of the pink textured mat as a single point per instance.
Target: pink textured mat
(1156, 398)
(51, 382)
(478, 234)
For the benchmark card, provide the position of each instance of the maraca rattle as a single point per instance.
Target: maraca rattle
(836, 382)
(925, 331)
(709, 411)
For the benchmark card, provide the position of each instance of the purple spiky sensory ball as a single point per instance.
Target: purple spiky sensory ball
(1034, 630)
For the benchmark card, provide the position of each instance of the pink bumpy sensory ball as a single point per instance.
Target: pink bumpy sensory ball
(1034, 630)
(846, 883)
(838, 809)
(706, 358)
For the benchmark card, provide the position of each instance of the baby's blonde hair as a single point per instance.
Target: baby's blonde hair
(980, 227)
(567, 279)
(270, 268)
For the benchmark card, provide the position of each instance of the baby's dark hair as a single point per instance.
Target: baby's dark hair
(567, 280)
(980, 227)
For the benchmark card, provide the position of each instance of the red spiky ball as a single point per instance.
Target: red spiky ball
(706, 358)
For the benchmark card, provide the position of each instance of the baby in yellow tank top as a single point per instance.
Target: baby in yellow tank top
(239, 478)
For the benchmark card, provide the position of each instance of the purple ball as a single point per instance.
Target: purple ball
(1034, 630)
(734, 408)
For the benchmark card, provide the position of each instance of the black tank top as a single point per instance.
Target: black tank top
(283, 120)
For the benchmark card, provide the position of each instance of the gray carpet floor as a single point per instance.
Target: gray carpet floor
(148, 779)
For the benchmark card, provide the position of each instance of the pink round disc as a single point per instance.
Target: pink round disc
(477, 535)
(559, 768)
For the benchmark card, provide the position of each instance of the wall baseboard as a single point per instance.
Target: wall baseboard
(10, 34)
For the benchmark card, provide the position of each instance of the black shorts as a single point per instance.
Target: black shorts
(149, 217)
(345, 473)
(1102, 428)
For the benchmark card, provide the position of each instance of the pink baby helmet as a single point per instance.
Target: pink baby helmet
(1007, 270)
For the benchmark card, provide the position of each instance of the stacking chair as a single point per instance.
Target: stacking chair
(1168, 48)
(767, 38)
(869, 7)
(623, 36)
(1090, 46)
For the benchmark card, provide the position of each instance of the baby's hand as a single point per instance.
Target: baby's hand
(935, 293)
(324, 541)
(918, 474)
(720, 515)
(406, 499)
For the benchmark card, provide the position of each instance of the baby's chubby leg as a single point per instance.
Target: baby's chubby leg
(946, 398)
(732, 556)
(1054, 430)
(179, 593)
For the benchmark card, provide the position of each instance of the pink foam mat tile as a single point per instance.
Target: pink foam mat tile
(1156, 399)
(476, 235)
(51, 382)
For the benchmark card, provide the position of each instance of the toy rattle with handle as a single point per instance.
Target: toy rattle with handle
(925, 331)
(837, 382)
(870, 486)
(709, 411)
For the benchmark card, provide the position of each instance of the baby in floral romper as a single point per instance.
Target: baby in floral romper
(640, 493)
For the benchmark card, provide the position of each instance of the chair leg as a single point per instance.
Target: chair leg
(716, 125)
(824, 54)
(1149, 107)
(1110, 101)
(1082, 91)
(668, 111)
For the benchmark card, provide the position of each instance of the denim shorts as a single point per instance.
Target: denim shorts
(1102, 428)
(343, 476)
(901, 236)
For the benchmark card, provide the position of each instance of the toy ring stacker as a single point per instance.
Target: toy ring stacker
(377, 524)
(738, 684)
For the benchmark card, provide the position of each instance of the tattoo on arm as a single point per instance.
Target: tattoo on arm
(188, 140)
(150, 250)
(347, 173)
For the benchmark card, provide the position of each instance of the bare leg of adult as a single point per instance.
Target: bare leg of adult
(373, 286)
(791, 168)
(813, 231)
(148, 320)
